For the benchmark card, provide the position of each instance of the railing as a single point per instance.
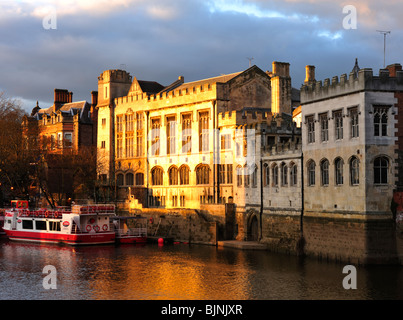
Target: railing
(136, 232)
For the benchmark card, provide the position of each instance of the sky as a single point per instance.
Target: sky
(67, 44)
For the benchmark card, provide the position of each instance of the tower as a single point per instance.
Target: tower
(111, 84)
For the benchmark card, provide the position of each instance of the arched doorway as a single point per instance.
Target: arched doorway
(253, 229)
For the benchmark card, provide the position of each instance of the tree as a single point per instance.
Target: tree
(14, 158)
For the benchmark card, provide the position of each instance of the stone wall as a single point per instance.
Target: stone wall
(350, 239)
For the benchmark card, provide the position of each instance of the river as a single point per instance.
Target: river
(182, 272)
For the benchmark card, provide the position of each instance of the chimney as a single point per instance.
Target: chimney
(393, 68)
(70, 96)
(94, 98)
(61, 96)
(310, 73)
(281, 69)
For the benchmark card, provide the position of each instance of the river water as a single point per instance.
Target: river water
(182, 272)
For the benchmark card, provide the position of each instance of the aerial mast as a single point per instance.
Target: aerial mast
(385, 33)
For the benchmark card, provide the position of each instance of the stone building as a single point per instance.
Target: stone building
(61, 132)
(168, 146)
(349, 143)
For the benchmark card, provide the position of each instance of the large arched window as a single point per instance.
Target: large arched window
(338, 166)
(184, 175)
(129, 179)
(381, 165)
(324, 172)
(354, 171)
(157, 176)
(311, 173)
(173, 175)
(202, 174)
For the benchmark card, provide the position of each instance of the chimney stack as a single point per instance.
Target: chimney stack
(62, 96)
(94, 98)
(393, 68)
(309, 73)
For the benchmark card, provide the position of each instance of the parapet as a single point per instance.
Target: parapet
(115, 75)
(386, 81)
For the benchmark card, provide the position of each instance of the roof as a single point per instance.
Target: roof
(150, 86)
(223, 78)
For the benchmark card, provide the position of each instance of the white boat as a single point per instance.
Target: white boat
(82, 225)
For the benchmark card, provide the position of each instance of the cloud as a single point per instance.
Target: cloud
(160, 40)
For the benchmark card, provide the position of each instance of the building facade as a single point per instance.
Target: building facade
(349, 147)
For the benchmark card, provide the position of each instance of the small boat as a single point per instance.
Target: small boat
(80, 225)
(131, 229)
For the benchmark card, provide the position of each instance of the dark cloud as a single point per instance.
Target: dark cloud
(157, 40)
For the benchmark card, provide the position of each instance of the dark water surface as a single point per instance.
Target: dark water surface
(182, 272)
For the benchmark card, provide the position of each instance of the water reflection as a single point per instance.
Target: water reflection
(182, 272)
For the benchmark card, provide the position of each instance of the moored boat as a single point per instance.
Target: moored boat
(130, 229)
(80, 225)
(2, 216)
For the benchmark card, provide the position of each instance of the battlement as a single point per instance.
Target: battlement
(389, 79)
(115, 75)
(173, 96)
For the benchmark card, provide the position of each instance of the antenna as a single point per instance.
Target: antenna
(384, 43)
(250, 61)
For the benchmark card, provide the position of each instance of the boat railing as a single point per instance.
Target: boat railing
(41, 213)
(93, 209)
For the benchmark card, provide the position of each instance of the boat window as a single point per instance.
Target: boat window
(54, 225)
(40, 225)
(27, 224)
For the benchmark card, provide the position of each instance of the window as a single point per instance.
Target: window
(338, 163)
(229, 173)
(311, 129)
(173, 175)
(284, 174)
(225, 141)
(139, 134)
(266, 175)
(119, 145)
(246, 176)
(60, 139)
(324, 172)
(380, 121)
(139, 179)
(182, 201)
(103, 122)
(129, 122)
(155, 137)
(381, 165)
(202, 174)
(103, 144)
(311, 173)
(174, 201)
(27, 224)
(157, 176)
(119, 124)
(40, 225)
(186, 133)
(129, 144)
(68, 139)
(354, 171)
(324, 128)
(354, 123)
(184, 175)
(338, 125)
(119, 179)
(204, 131)
(171, 135)
(293, 174)
(239, 176)
(54, 225)
(254, 177)
(274, 171)
(221, 173)
(129, 179)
